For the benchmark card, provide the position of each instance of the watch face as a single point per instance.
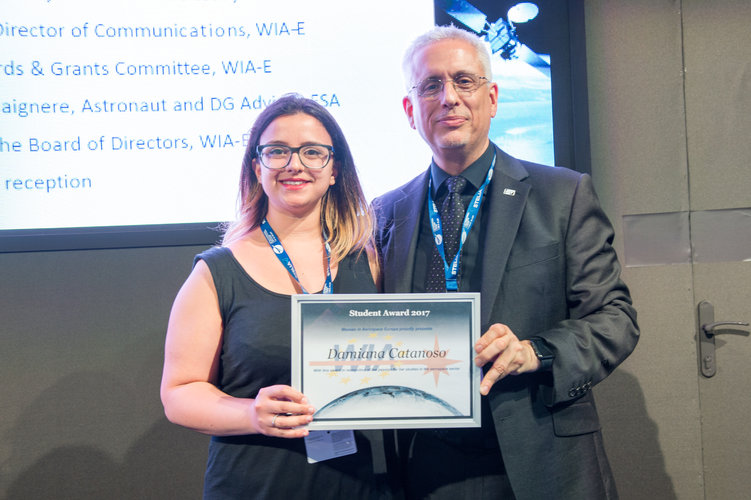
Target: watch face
(540, 350)
(536, 348)
(543, 354)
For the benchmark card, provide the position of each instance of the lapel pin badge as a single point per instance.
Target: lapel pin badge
(509, 192)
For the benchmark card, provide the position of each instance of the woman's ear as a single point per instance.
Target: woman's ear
(334, 173)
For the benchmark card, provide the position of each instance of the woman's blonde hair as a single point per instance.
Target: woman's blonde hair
(346, 216)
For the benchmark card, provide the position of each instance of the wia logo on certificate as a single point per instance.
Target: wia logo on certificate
(384, 361)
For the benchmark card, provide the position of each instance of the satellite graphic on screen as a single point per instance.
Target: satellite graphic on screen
(501, 34)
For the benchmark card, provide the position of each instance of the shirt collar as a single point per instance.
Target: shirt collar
(474, 173)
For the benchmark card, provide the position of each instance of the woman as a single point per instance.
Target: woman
(227, 355)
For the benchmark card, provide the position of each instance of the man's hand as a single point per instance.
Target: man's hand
(509, 355)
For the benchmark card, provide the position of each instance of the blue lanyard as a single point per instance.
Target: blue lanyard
(452, 271)
(281, 254)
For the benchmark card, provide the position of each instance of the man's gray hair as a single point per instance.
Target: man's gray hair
(437, 34)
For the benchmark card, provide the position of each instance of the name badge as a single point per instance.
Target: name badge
(323, 445)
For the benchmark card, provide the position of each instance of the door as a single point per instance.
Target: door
(670, 126)
(718, 126)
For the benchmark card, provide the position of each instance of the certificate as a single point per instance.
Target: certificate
(386, 361)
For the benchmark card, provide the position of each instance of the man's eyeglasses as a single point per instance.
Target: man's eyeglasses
(277, 157)
(430, 88)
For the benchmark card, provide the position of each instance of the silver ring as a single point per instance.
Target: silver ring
(273, 420)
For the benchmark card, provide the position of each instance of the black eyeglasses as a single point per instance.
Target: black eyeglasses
(465, 83)
(277, 156)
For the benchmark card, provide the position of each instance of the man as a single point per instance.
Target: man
(556, 316)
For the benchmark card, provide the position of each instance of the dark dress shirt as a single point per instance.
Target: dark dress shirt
(470, 273)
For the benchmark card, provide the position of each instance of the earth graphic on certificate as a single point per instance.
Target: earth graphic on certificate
(390, 400)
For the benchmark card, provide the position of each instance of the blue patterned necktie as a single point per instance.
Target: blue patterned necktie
(452, 216)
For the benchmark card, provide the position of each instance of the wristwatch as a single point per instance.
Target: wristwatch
(543, 353)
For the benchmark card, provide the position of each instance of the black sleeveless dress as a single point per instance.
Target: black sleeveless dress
(256, 353)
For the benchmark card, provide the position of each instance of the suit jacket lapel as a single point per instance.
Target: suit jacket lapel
(508, 196)
(407, 213)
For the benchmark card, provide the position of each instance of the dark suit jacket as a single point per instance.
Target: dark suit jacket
(549, 271)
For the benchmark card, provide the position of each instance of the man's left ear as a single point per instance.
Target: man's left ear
(493, 99)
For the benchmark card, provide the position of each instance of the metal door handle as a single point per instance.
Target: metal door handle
(708, 328)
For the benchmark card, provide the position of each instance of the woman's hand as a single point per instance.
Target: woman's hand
(281, 411)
